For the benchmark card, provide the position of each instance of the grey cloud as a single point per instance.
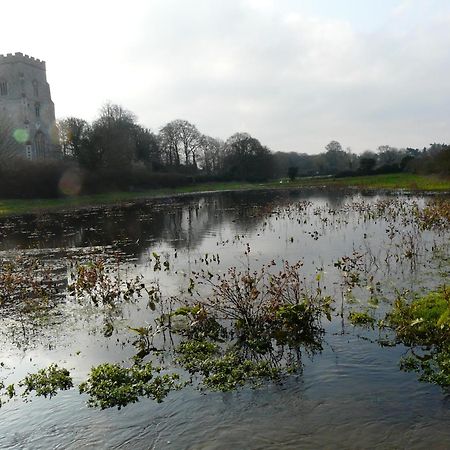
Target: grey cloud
(293, 80)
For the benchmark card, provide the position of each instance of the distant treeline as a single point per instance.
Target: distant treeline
(116, 142)
(116, 152)
(335, 161)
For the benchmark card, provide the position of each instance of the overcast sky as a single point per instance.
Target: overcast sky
(295, 74)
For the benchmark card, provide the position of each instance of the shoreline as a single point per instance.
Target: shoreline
(390, 184)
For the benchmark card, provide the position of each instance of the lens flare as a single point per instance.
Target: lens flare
(21, 135)
(70, 183)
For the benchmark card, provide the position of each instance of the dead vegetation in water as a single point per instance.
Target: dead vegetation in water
(30, 294)
(27, 284)
(243, 326)
(436, 215)
(253, 325)
(105, 284)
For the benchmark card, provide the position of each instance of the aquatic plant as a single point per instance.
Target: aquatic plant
(361, 318)
(351, 268)
(223, 370)
(26, 284)
(47, 382)
(104, 284)
(44, 383)
(424, 321)
(259, 306)
(435, 215)
(194, 322)
(432, 367)
(424, 326)
(110, 385)
(144, 341)
(6, 392)
(250, 326)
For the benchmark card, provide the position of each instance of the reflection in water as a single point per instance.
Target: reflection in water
(181, 222)
(351, 395)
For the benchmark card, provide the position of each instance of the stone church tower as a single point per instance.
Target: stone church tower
(26, 105)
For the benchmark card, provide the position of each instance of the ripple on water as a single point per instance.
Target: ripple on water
(350, 396)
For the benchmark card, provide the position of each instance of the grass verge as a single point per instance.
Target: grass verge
(395, 181)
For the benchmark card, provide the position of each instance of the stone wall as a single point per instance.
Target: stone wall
(26, 105)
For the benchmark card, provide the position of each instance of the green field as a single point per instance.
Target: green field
(396, 181)
(405, 181)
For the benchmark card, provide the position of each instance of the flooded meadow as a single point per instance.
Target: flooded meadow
(256, 320)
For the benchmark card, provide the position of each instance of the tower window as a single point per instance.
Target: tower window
(40, 145)
(3, 87)
(29, 151)
(37, 109)
(35, 88)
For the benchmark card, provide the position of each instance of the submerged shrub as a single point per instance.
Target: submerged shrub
(258, 307)
(6, 392)
(300, 324)
(251, 327)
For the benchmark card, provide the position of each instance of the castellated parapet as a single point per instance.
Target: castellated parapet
(19, 57)
(26, 105)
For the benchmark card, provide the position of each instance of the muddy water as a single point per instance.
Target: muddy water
(351, 395)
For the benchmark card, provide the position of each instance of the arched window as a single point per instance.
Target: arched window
(40, 145)
(35, 88)
(37, 109)
(3, 87)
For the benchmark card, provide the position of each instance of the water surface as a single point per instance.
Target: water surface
(351, 395)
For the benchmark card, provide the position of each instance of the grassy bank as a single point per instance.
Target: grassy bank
(406, 181)
(388, 181)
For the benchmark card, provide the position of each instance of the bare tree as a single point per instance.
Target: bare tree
(73, 135)
(336, 159)
(212, 154)
(147, 147)
(168, 141)
(367, 161)
(247, 159)
(113, 136)
(333, 147)
(181, 137)
(191, 140)
(389, 156)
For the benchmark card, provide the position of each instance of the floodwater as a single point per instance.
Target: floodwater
(350, 395)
